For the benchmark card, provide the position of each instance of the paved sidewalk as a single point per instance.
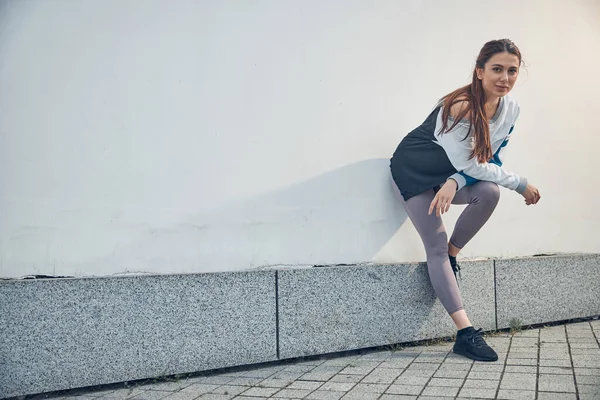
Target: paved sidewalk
(560, 362)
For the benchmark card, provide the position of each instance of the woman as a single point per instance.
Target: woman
(455, 157)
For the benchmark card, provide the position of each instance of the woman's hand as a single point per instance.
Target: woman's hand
(443, 198)
(531, 194)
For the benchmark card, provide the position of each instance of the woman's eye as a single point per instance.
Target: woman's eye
(497, 69)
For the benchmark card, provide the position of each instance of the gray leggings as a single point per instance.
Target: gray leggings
(482, 198)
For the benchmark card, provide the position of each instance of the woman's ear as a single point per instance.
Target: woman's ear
(479, 73)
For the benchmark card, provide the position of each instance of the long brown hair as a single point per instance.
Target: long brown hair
(474, 95)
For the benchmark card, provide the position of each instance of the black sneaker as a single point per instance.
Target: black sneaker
(455, 267)
(470, 343)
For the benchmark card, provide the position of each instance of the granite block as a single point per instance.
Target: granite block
(67, 333)
(545, 289)
(330, 309)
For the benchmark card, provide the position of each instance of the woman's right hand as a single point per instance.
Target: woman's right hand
(531, 194)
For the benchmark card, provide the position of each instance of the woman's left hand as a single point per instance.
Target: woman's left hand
(443, 198)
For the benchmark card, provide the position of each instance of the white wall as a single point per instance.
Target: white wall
(195, 136)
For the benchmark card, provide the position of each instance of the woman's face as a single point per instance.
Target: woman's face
(499, 74)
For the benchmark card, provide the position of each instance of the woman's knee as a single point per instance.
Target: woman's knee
(488, 192)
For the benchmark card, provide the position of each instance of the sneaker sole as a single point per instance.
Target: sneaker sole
(473, 357)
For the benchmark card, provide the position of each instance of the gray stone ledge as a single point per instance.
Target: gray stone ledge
(67, 333)
(546, 289)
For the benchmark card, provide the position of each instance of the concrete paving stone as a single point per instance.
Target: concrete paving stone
(457, 359)
(382, 375)
(478, 393)
(585, 357)
(588, 380)
(411, 380)
(201, 388)
(525, 369)
(153, 395)
(168, 386)
(122, 393)
(524, 342)
(556, 370)
(589, 389)
(214, 396)
(321, 376)
(510, 394)
(448, 382)
(588, 396)
(299, 368)
(482, 375)
(448, 373)
(212, 380)
(434, 398)
(431, 357)
(341, 362)
(481, 384)
(556, 396)
(259, 373)
(395, 363)
(584, 345)
(406, 353)
(522, 349)
(556, 383)
(190, 396)
(227, 389)
(424, 366)
(370, 387)
(246, 398)
(336, 368)
(287, 375)
(325, 395)
(275, 383)
(404, 389)
(361, 396)
(245, 381)
(523, 354)
(552, 345)
(376, 355)
(346, 378)
(586, 351)
(352, 370)
(548, 362)
(518, 381)
(586, 363)
(337, 386)
(527, 333)
(418, 373)
(305, 385)
(587, 371)
(579, 325)
(489, 367)
(260, 391)
(397, 397)
(522, 361)
(292, 393)
(586, 340)
(443, 391)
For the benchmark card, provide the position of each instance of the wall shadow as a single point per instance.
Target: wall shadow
(344, 216)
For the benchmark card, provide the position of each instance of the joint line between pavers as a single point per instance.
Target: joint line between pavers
(465, 379)
(594, 333)
(431, 377)
(504, 367)
(537, 375)
(572, 363)
(277, 313)
(495, 294)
